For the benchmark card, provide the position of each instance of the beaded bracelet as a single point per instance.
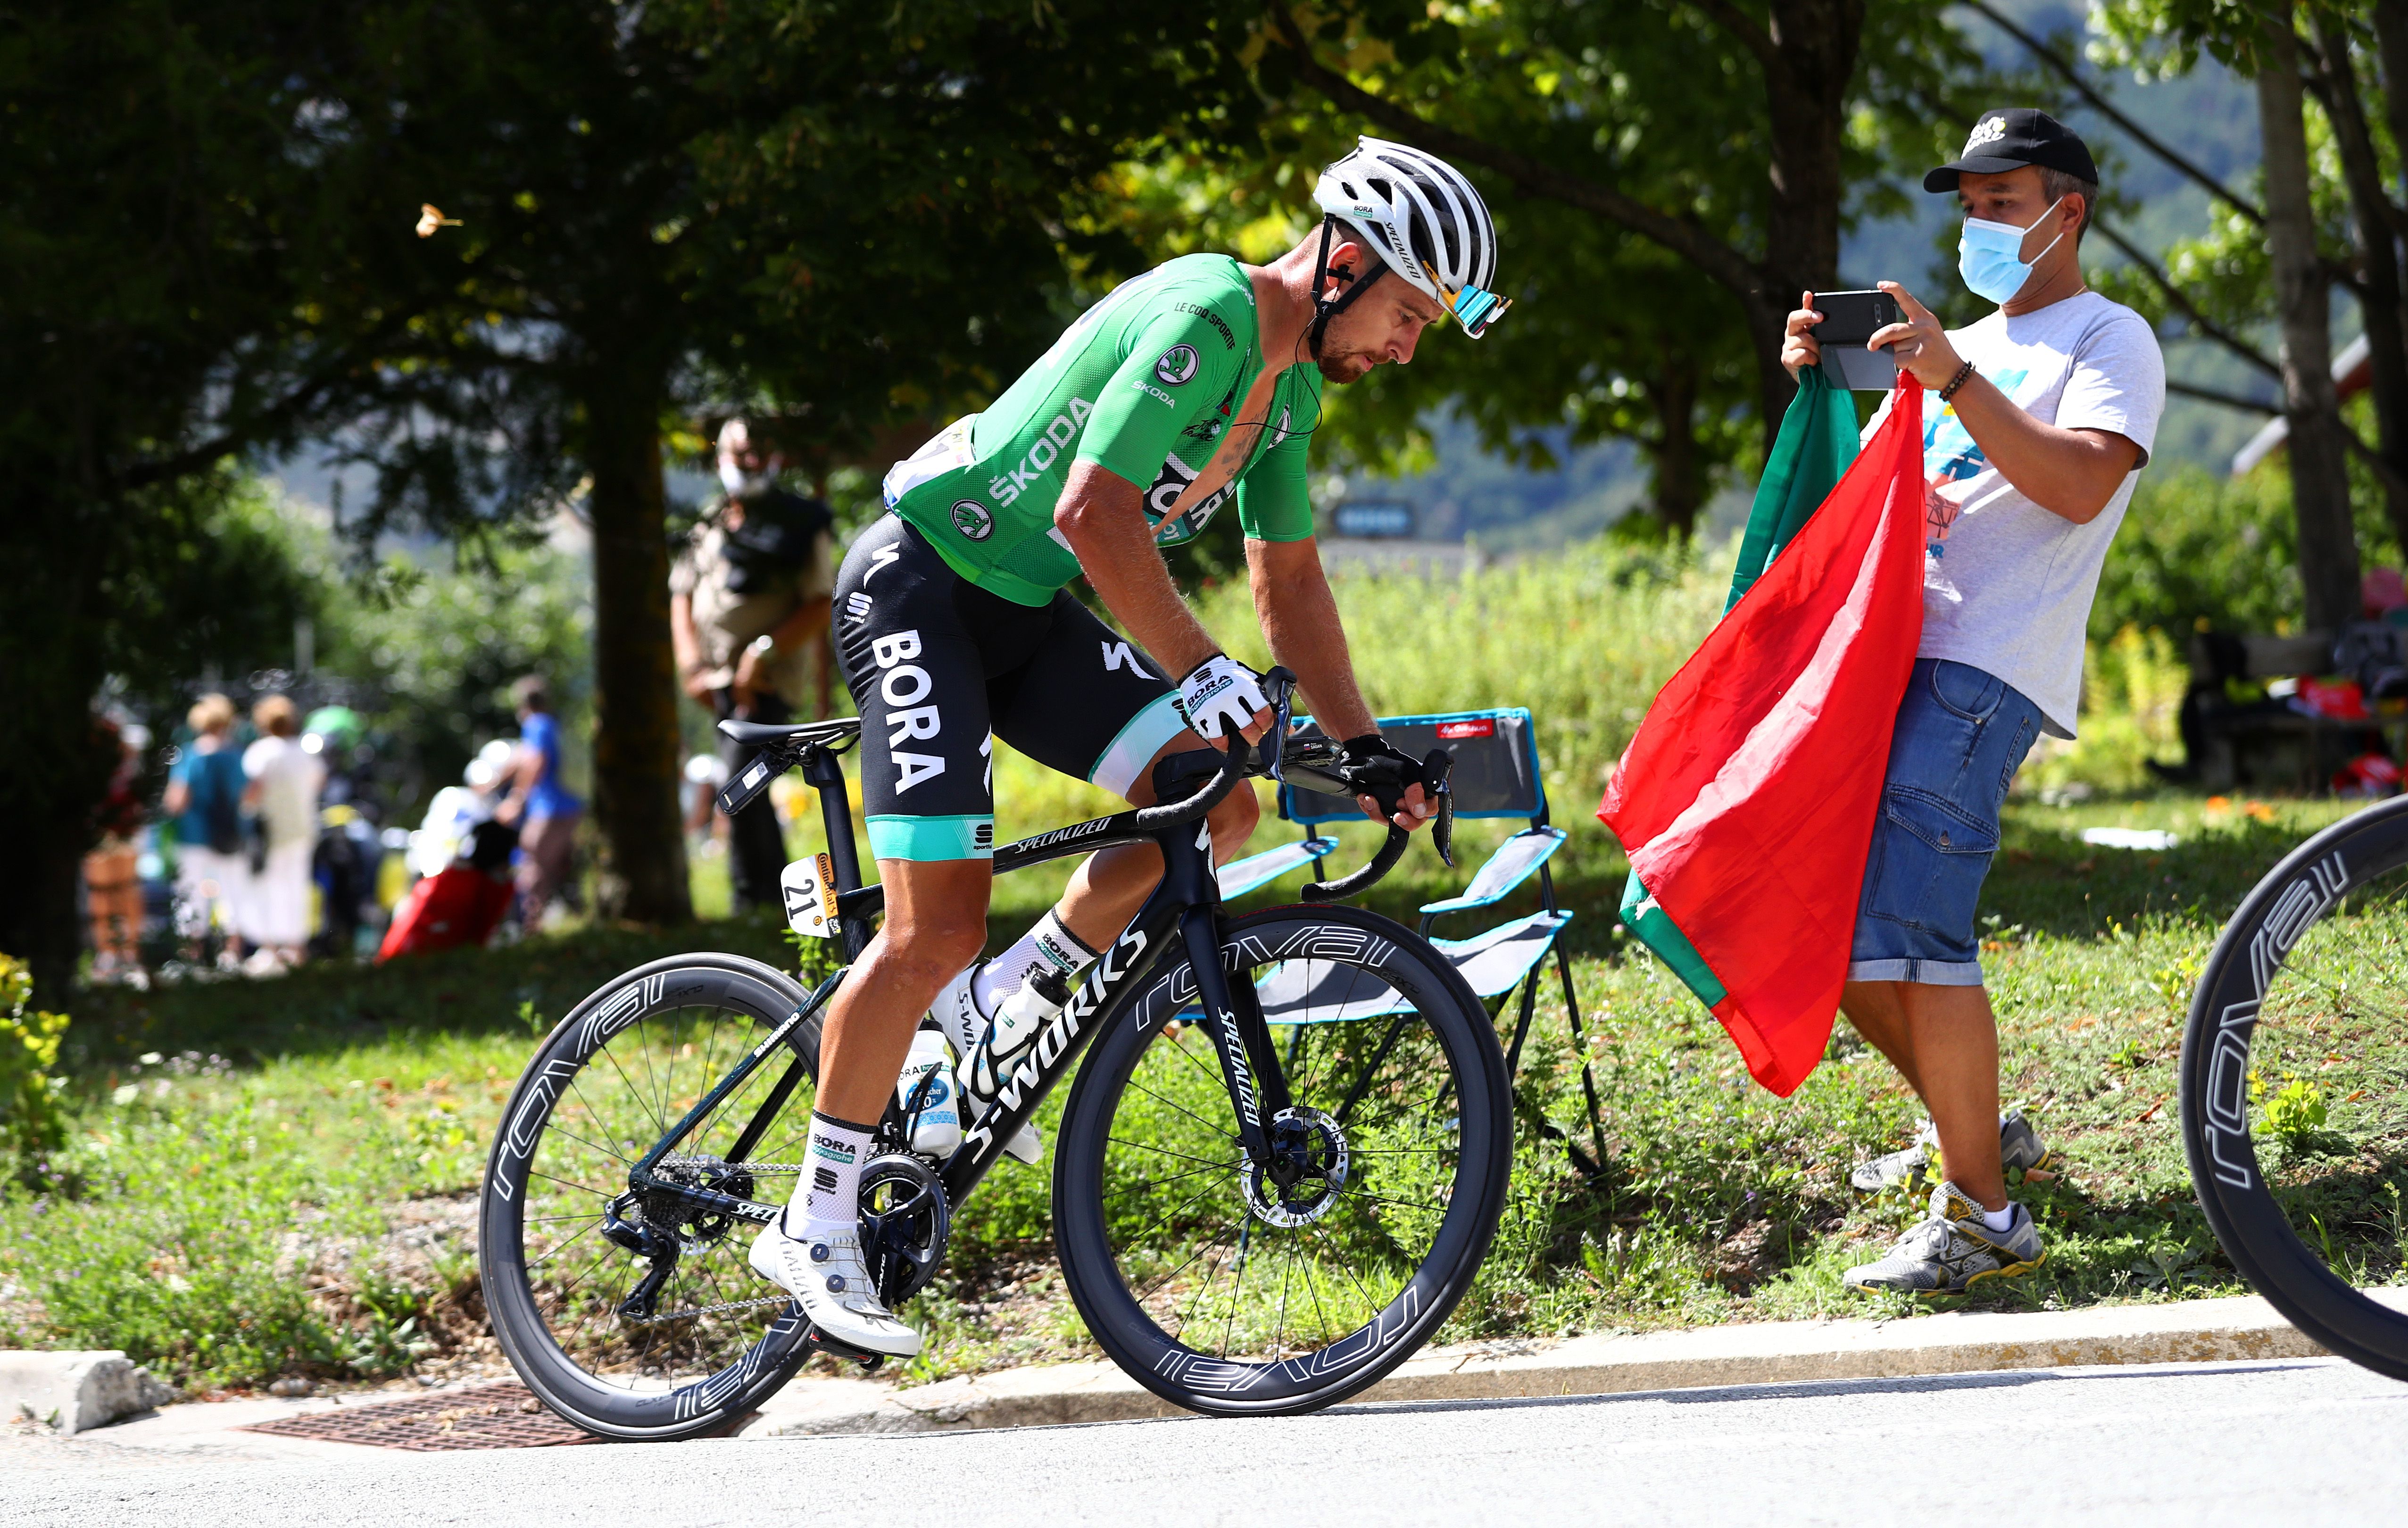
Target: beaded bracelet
(1957, 382)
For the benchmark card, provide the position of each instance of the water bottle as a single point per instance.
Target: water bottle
(1023, 1017)
(930, 1098)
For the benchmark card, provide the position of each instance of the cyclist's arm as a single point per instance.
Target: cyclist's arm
(1102, 515)
(1300, 617)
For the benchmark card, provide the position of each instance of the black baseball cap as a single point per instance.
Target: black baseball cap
(2011, 138)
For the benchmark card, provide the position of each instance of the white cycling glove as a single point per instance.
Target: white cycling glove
(1221, 695)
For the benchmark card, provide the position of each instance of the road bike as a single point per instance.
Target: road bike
(2294, 1088)
(1277, 1169)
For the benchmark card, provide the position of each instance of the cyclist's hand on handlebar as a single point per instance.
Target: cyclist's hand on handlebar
(1400, 799)
(1222, 695)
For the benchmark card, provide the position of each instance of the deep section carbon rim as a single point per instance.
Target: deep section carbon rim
(1219, 1286)
(707, 1336)
(2295, 1088)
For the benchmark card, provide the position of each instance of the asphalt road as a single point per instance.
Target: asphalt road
(2316, 1441)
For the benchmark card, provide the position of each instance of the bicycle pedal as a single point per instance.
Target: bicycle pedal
(819, 1341)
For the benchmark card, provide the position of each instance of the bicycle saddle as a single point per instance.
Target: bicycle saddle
(767, 734)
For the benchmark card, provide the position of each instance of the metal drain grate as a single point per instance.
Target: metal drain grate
(497, 1416)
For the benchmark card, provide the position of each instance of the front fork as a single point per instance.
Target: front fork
(1233, 1016)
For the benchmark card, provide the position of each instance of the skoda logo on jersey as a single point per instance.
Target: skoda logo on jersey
(1177, 364)
(972, 519)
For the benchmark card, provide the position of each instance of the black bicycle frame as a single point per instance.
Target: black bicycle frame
(1185, 907)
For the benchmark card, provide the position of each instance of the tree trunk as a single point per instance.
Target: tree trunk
(1814, 44)
(50, 668)
(2379, 259)
(1679, 476)
(2318, 455)
(636, 741)
(2391, 42)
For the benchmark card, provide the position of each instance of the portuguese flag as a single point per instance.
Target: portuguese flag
(1746, 802)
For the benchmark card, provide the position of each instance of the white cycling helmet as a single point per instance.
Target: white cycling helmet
(1424, 220)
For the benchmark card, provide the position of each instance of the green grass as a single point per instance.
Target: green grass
(290, 1191)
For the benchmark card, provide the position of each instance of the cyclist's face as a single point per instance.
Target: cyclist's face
(1383, 326)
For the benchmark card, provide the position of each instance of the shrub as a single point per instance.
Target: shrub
(33, 1114)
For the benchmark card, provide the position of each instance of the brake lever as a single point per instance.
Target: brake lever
(1436, 770)
(1283, 683)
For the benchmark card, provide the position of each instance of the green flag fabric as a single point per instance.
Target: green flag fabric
(1817, 444)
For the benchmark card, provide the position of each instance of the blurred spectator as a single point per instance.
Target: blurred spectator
(205, 797)
(705, 773)
(112, 887)
(538, 805)
(273, 909)
(749, 616)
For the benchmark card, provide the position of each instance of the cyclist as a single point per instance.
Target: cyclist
(1192, 385)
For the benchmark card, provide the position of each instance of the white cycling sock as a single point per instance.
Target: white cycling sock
(828, 1191)
(1050, 945)
(1999, 1220)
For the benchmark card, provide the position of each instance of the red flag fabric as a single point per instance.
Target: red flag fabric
(1746, 803)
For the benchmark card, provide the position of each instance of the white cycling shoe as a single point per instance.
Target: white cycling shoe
(826, 1275)
(956, 1011)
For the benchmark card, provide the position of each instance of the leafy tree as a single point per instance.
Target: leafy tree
(1736, 138)
(848, 213)
(161, 204)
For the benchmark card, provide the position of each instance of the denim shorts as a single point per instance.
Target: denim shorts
(1960, 735)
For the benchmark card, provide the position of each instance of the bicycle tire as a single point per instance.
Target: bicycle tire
(603, 1387)
(1276, 1383)
(2285, 926)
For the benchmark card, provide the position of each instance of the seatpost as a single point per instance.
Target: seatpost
(826, 776)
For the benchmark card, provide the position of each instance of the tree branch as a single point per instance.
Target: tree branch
(2385, 473)
(2182, 304)
(1711, 255)
(1749, 34)
(2229, 400)
(2064, 68)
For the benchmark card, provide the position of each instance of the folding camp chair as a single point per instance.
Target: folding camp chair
(1495, 773)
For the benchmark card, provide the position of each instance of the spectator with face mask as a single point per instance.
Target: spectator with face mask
(282, 795)
(2042, 416)
(749, 617)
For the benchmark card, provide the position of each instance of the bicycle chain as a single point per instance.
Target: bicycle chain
(778, 1299)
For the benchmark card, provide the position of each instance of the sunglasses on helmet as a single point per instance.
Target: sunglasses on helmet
(1474, 308)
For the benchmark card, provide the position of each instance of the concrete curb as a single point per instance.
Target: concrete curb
(2188, 1331)
(74, 1390)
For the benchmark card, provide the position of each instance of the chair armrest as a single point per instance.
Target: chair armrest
(1517, 859)
(1238, 877)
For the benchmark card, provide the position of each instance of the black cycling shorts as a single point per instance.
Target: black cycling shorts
(936, 665)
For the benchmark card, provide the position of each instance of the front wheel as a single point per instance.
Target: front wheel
(2295, 1088)
(1218, 1287)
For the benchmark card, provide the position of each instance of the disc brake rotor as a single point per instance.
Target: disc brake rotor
(1310, 1149)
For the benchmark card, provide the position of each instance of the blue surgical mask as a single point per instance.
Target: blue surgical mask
(1988, 255)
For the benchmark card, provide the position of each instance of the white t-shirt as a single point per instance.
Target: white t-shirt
(289, 779)
(2007, 585)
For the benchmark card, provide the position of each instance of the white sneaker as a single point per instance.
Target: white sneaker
(957, 1012)
(825, 1273)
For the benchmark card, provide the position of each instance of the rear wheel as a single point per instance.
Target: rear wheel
(2295, 1088)
(629, 1314)
(1226, 1288)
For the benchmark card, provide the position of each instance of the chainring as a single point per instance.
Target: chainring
(905, 1219)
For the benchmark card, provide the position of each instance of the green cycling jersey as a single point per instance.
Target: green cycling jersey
(1144, 385)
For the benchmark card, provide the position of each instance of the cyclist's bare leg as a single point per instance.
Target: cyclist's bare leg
(936, 926)
(1107, 890)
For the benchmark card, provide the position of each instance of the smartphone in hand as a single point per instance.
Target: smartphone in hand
(1849, 320)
